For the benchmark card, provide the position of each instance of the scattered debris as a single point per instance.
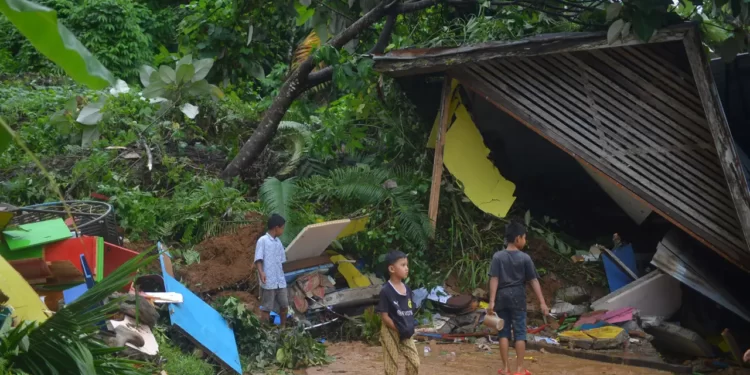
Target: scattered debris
(678, 340)
(655, 294)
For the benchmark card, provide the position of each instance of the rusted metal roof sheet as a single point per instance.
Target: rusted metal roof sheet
(674, 257)
(426, 60)
(646, 116)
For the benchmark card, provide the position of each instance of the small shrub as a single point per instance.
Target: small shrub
(289, 348)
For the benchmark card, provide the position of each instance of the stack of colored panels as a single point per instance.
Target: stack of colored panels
(45, 253)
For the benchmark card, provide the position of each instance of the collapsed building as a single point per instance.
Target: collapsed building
(645, 140)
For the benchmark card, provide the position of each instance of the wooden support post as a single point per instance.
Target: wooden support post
(437, 164)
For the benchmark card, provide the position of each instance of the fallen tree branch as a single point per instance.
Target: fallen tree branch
(290, 90)
(302, 78)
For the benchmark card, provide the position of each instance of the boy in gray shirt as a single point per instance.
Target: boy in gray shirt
(510, 270)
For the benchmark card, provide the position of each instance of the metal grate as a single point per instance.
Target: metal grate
(632, 113)
(92, 218)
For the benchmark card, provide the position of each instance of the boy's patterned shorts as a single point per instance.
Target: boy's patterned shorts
(392, 347)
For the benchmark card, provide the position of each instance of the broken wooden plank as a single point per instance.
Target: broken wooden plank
(420, 61)
(437, 164)
(717, 121)
(610, 358)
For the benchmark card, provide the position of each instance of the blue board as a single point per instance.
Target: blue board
(616, 278)
(72, 294)
(201, 322)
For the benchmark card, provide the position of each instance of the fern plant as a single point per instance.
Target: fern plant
(278, 197)
(361, 186)
(298, 139)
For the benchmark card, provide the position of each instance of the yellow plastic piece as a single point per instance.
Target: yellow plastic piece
(25, 302)
(5, 218)
(355, 226)
(608, 332)
(575, 335)
(484, 305)
(353, 277)
(465, 156)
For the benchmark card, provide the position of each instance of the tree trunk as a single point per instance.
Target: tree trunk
(301, 80)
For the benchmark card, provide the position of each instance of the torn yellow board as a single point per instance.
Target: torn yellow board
(608, 332)
(455, 101)
(22, 298)
(355, 226)
(465, 156)
(354, 278)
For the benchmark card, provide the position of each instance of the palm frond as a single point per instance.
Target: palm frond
(364, 185)
(304, 50)
(299, 137)
(65, 343)
(277, 195)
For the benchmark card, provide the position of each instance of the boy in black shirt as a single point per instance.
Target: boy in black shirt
(510, 270)
(397, 312)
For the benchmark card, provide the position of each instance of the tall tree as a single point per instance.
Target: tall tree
(333, 17)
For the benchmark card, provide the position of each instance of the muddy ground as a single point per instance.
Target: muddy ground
(359, 359)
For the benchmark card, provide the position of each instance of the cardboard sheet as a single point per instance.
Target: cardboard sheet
(204, 325)
(314, 239)
(25, 302)
(465, 156)
(36, 234)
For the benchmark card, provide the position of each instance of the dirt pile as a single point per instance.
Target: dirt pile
(226, 261)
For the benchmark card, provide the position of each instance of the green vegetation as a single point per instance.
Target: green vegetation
(178, 362)
(286, 348)
(186, 113)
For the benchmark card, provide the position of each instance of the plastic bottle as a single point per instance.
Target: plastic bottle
(427, 351)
